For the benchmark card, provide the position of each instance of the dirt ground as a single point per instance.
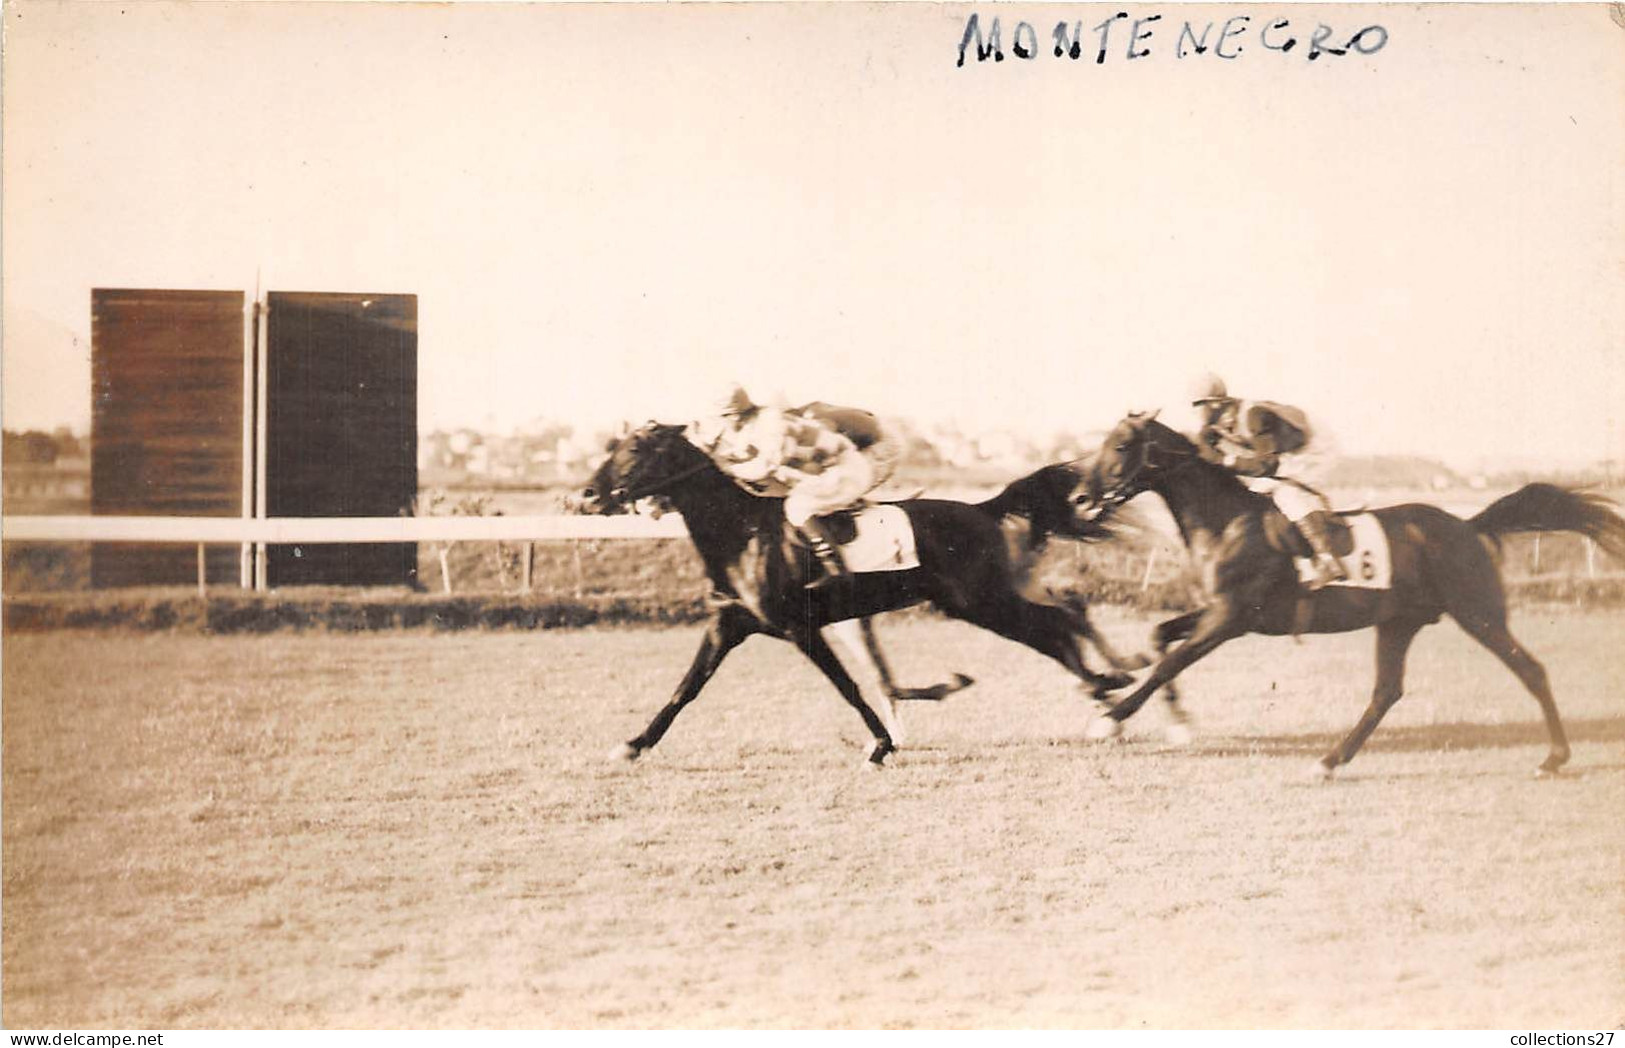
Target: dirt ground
(423, 831)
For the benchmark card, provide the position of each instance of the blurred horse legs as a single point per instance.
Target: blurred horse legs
(1166, 633)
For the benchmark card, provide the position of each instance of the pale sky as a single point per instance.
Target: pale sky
(613, 212)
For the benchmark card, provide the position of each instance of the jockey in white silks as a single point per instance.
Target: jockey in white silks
(1262, 442)
(823, 459)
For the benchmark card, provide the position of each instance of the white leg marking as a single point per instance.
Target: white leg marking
(846, 637)
(1103, 729)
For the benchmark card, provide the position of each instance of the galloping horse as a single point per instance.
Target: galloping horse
(1440, 565)
(759, 570)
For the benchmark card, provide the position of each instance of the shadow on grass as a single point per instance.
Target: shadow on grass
(1416, 738)
(1425, 738)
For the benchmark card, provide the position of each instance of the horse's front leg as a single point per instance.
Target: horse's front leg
(731, 625)
(856, 638)
(813, 645)
(1216, 624)
(1163, 637)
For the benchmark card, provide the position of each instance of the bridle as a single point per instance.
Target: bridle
(625, 496)
(1151, 455)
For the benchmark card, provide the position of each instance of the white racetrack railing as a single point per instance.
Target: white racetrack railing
(281, 530)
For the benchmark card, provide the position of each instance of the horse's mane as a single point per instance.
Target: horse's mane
(1170, 439)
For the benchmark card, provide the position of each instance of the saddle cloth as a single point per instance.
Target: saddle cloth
(882, 540)
(1363, 548)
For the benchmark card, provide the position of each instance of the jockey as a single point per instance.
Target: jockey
(1252, 439)
(812, 455)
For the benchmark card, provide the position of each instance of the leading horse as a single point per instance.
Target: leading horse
(759, 571)
(1242, 546)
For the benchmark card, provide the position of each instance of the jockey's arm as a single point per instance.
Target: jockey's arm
(753, 453)
(1254, 459)
(1250, 458)
(811, 448)
(757, 467)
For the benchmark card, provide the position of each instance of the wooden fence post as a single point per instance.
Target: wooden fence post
(530, 557)
(202, 573)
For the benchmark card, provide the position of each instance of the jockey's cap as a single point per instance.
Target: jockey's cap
(1208, 389)
(737, 402)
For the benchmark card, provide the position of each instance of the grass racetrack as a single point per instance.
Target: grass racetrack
(421, 830)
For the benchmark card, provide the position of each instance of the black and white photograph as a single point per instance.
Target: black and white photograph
(813, 516)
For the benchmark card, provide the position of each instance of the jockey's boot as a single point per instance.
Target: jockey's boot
(829, 555)
(1328, 566)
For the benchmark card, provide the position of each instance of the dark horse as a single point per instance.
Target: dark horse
(1441, 565)
(759, 571)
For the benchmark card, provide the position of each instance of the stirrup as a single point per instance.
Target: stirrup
(1328, 569)
(829, 559)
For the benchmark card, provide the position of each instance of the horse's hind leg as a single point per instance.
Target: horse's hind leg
(1393, 642)
(731, 626)
(1046, 629)
(1491, 631)
(1077, 612)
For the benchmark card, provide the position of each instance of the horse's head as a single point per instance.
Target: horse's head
(1058, 500)
(645, 462)
(1130, 458)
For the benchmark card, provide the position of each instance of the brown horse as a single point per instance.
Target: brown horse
(1243, 547)
(759, 571)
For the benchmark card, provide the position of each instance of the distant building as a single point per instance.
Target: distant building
(59, 487)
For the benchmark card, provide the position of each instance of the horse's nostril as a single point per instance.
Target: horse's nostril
(589, 494)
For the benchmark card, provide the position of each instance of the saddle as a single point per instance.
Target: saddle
(871, 537)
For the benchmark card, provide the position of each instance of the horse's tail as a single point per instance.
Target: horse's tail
(1547, 507)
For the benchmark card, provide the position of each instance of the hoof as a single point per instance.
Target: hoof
(1552, 765)
(1103, 729)
(1179, 734)
(1320, 771)
(893, 723)
(625, 753)
(1135, 663)
(876, 760)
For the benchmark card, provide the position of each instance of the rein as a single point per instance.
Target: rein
(1125, 490)
(629, 495)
